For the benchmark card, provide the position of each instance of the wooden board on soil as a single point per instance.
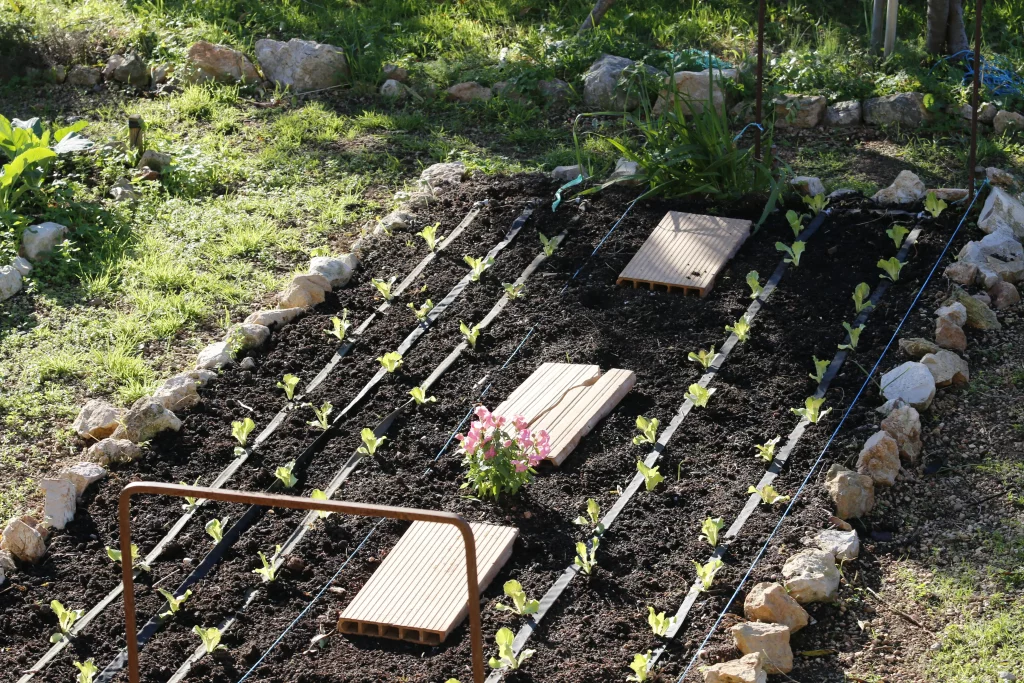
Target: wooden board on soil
(419, 593)
(567, 400)
(686, 251)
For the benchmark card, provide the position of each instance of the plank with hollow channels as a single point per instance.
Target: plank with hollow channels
(686, 251)
(419, 592)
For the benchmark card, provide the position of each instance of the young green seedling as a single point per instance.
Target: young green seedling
(384, 287)
(652, 477)
(892, 267)
(584, 560)
(658, 622)
(648, 430)
(268, 572)
(470, 333)
(420, 396)
(817, 203)
(173, 603)
(391, 361)
(706, 572)
(754, 282)
(549, 244)
(796, 222)
(699, 395)
(430, 236)
(371, 442)
(478, 266)
(812, 410)
(820, 367)
(934, 205)
(86, 671)
(766, 451)
(241, 430)
(854, 333)
(860, 297)
(216, 527)
(210, 637)
(423, 311)
(897, 233)
(288, 383)
(710, 528)
(704, 358)
(593, 517)
(190, 503)
(137, 563)
(741, 328)
(320, 495)
(321, 415)
(66, 618)
(794, 252)
(769, 496)
(339, 326)
(520, 604)
(639, 667)
(506, 658)
(285, 476)
(513, 290)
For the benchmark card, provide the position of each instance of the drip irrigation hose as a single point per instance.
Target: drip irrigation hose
(835, 433)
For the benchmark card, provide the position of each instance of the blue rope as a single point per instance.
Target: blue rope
(600, 244)
(753, 124)
(849, 409)
(997, 73)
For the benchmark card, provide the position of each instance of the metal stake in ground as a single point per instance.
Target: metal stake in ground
(974, 100)
(760, 79)
(298, 503)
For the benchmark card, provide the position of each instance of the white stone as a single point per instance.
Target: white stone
(336, 270)
(770, 640)
(394, 89)
(906, 109)
(564, 174)
(624, 168)
(769, 602)
(214, 356)
(601, 88)
(178, 392)
(853, 494)
(747, 669)
(1007, 121)
(1001, 209)
(904, 425)
(274, 318)
(692, 88)
(22, 265)
(84, 75)
(10, 282)
(39, 240)
(393, 72)
(949, 194)
(450, 173)
(1000, 178)
(113, 451)
(911, 382)
(246, 336)
(23, 538)
(123, 191)
(301, 65)
(59, 506)
(844, 114)
(96, 420)
(955, 313)
(808, 186)
(880, 459)
(468, 92)
(947, 368)
(844, 545)
(961, 272)
(396, 220)
(949, 335)
(146, 418)
(82, 475)
(210, 62)
(1003, 295)
(126, 69)
(906, 189)
(979, 315)
(811, 576)
(986, 112)
(806, 111)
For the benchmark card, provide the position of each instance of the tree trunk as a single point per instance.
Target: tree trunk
(956, 37)
(594, 18)
(938, 26)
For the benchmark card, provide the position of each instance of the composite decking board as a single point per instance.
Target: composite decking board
(686, 251)
(419, 590)
(544, 388)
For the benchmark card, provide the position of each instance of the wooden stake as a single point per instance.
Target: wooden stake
(136, 132)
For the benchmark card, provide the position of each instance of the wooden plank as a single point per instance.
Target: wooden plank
(686, 251)
(419, 591)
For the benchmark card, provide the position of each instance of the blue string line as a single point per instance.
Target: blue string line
(600, 244)
(997, 73)
(835, 433)
(744, 130)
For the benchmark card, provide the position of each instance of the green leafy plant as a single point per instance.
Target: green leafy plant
(820, 367)
(652, 477)
(284, 474)
(470, 333)
(86, 671)
(817, 203)
(191, 503)
(658, 622)
(796, 222)
(321, 415)
(710, 528)
(794, 252)
(699, 395)
(430, 236)
(288, 383)
(593, 517)
(478, 266)
(215, 528)
(934, 205)
(391, 361)
(766, 451)
(174, 604)
(513, 290)
(371, 442)
(769, 496)
(66, 618)
(704, 358)
(854, 333)
(320, 495)
(897, 234)
(506, 658)
(339, 326)
(423, 311)
(137, 563)
(892, 267)
(639, 664)
(420, 396)
(384, 287)
(549, 244)
(33, 135)
(210, 637)
(706, 572)
(240, 429)
(753, 281)
(860, 297)
(741, 328)
(520, 604)
(812, 410)
(648, 430)
(22, 177)
(268, 572)
(585, 560)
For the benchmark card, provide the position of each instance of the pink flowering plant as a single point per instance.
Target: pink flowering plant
(501, 457)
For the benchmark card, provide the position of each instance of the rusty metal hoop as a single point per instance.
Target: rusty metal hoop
(297, 503)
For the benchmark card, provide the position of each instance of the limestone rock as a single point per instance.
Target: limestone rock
(21, 265)
(1001, 209)
(916, 348)
(950, 194)
(564, 174)
(853, 494)
(160, 74)
(947, 368)
(808, 186)
(436, 175)
(624, 168)
(468, 92)
(769, 602)
(509, 91)
(214, 356)
(24, 539)
(396, 220)
(393, 72)
(123, 191)
(82, 475)
(301, 65)
(274, 318)
(601, 88)
(979, 316)
(904, 425)
(146, 418)
(986, 112)
(962, 273)
(178, 392)
(983, 297)
(997, 256)
(1003, 295)
(949, 335)
(811, 576)
(84, 76)
(158, 161)
(113, 451)
(59, 506)
(771, 640)
(954, 313)
(844, 114)
(337, 271)
(210, 62)
(806, 111)
(844, 545)
(880, 459)
(906, 189)
(394, 89)
(96, 420)
(555, 92)
(1000, 178)
(10, 282)
(910, 382)
(305, 291)
(693, 88)
(1004, 121)
(126, 69)
(906, 109)
(246, 336)
(747, 669)
(39, 240)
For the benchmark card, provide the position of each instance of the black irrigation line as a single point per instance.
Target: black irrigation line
(255, 512)
(835, 433)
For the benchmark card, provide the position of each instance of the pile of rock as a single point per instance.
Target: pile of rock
(129, 69)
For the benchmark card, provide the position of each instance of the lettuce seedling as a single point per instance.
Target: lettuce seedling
(215, 528)
(766, 451)
(66, 618)
(86, 671)
(705, 358)
(817, 203)
(710, 528)
(639, 667)
(137, 563)
(173, 603)
(897, 233)
(420, 396)
(769, 496)
(860, 297)
(593, 517)
(820, 367)
(706, 572)
(652, 477)
(288, 383)
(892, 267)
(658, 622)
(549, 244)
(320, 495)
(699, 395)
(794, 252)
(321, 415)
(796, 222)
(754, 282)
(430, 236)
(741, 328)
(191, 503)
(934, 205)
(268, 572)
(210, 637)
(506, 658)
(423, 311)
(812, 410)
(339, 326)
(285, 476)
(370, 442)
(648, 430)
(854, 333)
(520, 605)
(586, 562)
(513, 290)
(241, 430)
(470, 333)
(478, 266)
(392, 360)
(384, 287)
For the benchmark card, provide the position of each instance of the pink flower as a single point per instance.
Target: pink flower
(506, 443)
(520, 422)
(544, 444)
(524, 439)
(490, 453)
(521, 465)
